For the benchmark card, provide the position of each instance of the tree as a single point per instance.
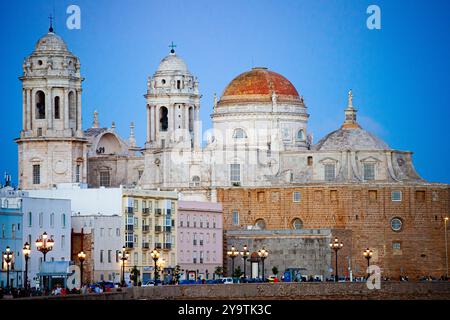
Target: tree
(237, 272)
(219, 271)
(135, 275)
(177, 273)
(274, 270)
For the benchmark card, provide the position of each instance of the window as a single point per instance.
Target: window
(105, 180)
(239, 134)
(260, 224)
(63, 241)
(109, 256)
(300, 135)
(77, 173)
(72, 106)
(39, 132)
(40, 105)
(296, 196)
(235, 218)
(420, 196)
(309, 160)
(13, 231)
(41, 220)
(396, 246)
(235, 172)
(435, 195)
(117, 255)
(396, 224)
(117, 232)
(369, 171)
(101, 256)
(178, 84)
(297, 224)
(63, 220)
(140, 172)
(196, 181)
(52, 220)
(163, 119)
(396, 196)
(57, 108)
(30, 219)
(36, 174)
(373, 195)
(330, 173)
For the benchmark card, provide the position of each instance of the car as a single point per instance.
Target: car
(272, 278)
(227, 280)
(150, 283)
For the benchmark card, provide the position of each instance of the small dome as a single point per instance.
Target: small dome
(259, 85)
(351, 139)
(51, 42)
(172, 63)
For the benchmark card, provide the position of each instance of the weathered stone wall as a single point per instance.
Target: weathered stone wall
(360, 215)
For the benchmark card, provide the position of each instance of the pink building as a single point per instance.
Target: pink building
(200, 239)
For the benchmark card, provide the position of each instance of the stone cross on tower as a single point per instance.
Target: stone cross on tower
(172, 46)
(50, 29)
(95, 124)
(350, 113)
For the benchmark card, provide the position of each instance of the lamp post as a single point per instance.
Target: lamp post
(446, 247)
(232, 253)
(7, 256)
(45, 244)
(336, 246)
(245, 253)
(368, 255)
(26, 254)
(155, 256)
(123, 257)
(81, 258)
(263, 254)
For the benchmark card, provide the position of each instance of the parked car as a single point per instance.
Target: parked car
(272, 279)
(227, 280)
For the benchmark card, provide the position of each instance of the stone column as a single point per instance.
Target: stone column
(78, 110)
(48, 107)
(156, 124)
(149, 123)
(28, 94)
(196, 126)
(32, 107)
(66, 108)
(24, 110)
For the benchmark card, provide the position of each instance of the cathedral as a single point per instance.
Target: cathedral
(259, 159)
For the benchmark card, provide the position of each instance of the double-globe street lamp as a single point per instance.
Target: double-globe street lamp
(368, 255)
(26, 250)
(7, 257)
(232, 253)
(155, 256)
(123, 255)
(45, 244)
(336, 246)
(263, 254)
(81, 258)
(245, 254)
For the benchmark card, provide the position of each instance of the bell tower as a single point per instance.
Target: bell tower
(52, 148)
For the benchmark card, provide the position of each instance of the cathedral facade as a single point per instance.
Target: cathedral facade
(258, 159)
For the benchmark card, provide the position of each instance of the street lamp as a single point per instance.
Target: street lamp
(368, 255)
(446, 247)
(263, 253)
(232, 253)
(336, 246)
(123, 257)
(81, 258)
(7, 256)
(45, 245)
(155, 256)
(26, 254)
(245, 253)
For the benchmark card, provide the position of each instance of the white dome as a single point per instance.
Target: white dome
(51, 42)
(351, 139)
(172, 63)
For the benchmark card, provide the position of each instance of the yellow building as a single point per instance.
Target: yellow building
(149, 223)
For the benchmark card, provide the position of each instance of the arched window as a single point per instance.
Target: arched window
(260, 224)
(163, 119)
(40, 105)
(195, 181)
(300, 135)
(297, 224)
(191, 119)
(239, 134)
(72, 106)
(57, 108)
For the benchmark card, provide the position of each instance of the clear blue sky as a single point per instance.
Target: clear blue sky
(399, 74)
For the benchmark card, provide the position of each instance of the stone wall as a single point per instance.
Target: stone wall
(360, 215)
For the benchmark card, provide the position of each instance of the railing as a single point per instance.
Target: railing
(145, 228)
(129, 210)
(158, 212)
(129, 245)
(129, 227)
(167, 228)
(158, 228)
(167, 246)
(145, 245)
(158, 245)
(145, 211)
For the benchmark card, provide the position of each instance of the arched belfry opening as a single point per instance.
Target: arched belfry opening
(40, 105)
(163, 119)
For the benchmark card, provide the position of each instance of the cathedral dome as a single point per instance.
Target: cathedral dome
(259, 85)
(171, 63)
(351, 139)
(51, 42)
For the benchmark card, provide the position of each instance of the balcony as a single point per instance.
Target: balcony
(145, 245)
(158, 212)
(158, 245)
(145, 211)
(129, 245)
(129, 227)
(145, 228)
(129, 210)
(167, 228)
(194, 242)
(167, 246)
(158, 229)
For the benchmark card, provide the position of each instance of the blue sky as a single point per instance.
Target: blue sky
(399, 74)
